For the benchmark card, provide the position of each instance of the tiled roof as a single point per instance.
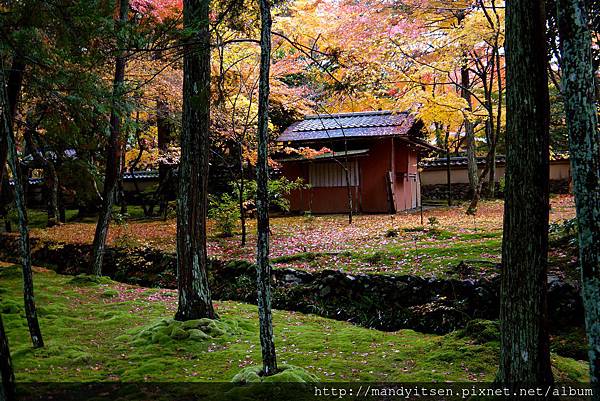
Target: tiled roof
(329, 155)
(349, 125)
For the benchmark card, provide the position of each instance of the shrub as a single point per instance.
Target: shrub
(224, 210)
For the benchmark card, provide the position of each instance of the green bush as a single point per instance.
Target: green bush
(278, 190)
(224, 210)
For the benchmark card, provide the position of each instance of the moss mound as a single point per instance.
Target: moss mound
(166, 330)
(86, 280)
(10, 272)
(286, 374)
(10, 307)
(110, 293)
(482, 331)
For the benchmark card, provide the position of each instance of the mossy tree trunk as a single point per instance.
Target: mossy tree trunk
(524, 351)
(113, 152)
(13, 91)
(584, 145)
(7, 376)
(262, 198)
(13, 162)
(194, 295)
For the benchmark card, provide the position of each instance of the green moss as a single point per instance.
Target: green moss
(11, 307)
(481, 331)
(10, 272)
(83, 280)
(89, 339)
(110, 293)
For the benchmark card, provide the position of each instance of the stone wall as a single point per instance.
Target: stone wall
(384, 302)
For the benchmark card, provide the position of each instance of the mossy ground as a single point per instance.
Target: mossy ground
(328, 242)
(92, 337)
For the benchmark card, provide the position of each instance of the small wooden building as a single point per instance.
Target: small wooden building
(380, 150)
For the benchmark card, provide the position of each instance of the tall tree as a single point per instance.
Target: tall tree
(262, 197)
(7, 376)
(524, 352)
(194, 295)
(114, 149)
(584, 145)
(13, 162)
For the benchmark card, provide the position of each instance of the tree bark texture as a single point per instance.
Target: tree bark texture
(473, 172)
(194, 295)
(584, 147)
(524, 352)
(13, 90)
(28, 295)
(262, 198)
(7, 376)
(113, 155)
(163, 128)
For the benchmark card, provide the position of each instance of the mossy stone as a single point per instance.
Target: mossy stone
(286, 373)
(196, 323)
(179, 334)
(198, 335)
(482, 331)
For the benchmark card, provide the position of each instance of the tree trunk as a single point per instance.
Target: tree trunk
(13, 90)
(241, 197)
(448, 168)
(470, 142)
(113, 155)
(262, 197)
(50, 175)
(584, 146)
(194, 295)
(7, 376)
(122, 199)
(29, 299)
(163, 128)
(524, 343)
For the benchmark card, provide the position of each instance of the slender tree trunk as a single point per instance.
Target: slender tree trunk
(524, 343)
(29, 299)
(262, 197)
(241, 197)
(7, 376)
(194, 295)
(470, 142)
(113, 155)
(448, 168)
(122, 200)
(13, 91)
(163, 128)
(348, 189)
(584, 146)
(50, 175)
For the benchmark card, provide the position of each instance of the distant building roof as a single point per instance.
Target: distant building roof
(349, 125)
(461, 161)
(140, 175)
(458, 161)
